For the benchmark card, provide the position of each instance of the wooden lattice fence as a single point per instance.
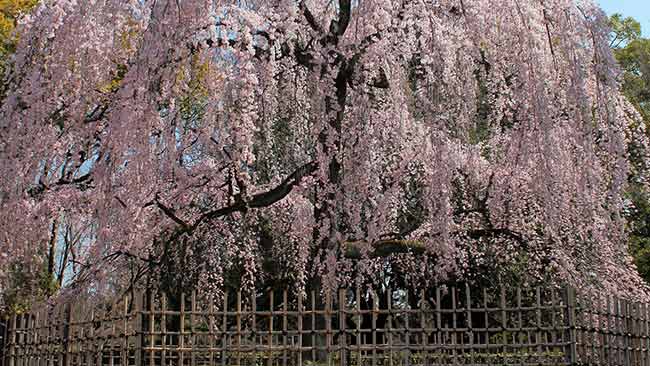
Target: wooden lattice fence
(437, 326)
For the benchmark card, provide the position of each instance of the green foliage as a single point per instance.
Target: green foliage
(114, 84)
(634, 60)
(633, 55)
(27, 286)
(193, 102)
(624, 30)
(10, 11)
(640, 230)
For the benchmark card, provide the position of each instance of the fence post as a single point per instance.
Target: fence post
(269, 361)
(139, 327)
(285, 324)
(11, 352)
(124, 352)
(67, 325)
(3, 344)
(6, 342)
(181, 337)
(151, 319)
(342, 333)
(626, 332)
(300, 328)
(328, 327)
(570, 319)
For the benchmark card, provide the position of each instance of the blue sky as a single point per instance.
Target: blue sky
(638, 9)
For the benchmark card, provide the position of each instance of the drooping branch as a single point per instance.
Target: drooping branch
(385, 247)
(288, 48)
(264, 199)
(367, 42)
(82, 183)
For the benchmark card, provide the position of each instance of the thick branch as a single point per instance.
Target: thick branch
(386, 247)
(80, 181)
(96, 114)
(309, 17)
(344, 17)
(284, 188)
(264, 199)
(52, 246)
(383, 248)
(170, 213)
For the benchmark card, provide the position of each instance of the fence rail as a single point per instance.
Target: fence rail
(354, 327)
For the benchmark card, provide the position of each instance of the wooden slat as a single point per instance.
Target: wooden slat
(239, 328)
(389, 325)
(504, 320)
(211, 330)
(270, 342)
(163, 329)
(440, 339)
(67, 334)
(611, 341)
(619, 331)
(285, 326)
(252, 313)
(301, 312)
(181, 336)
(468, 306)
(520, 325)
(193, 339)
(139, 328)
(224, 330)
(646, 335)
(601, 325)
(423, 325)
(359, 336)
(375, 311)
(124, 351)
(454, 326)
(152, 319)
(328, 327)
(313, 325)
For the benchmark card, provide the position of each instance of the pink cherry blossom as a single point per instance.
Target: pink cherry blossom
(222, 134)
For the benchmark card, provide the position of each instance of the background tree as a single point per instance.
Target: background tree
(10, 11)
(633, 55)
(215, 144)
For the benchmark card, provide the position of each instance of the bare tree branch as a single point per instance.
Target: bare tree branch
(262, 199)
(344, 17)
(259, 200)
(309, 17)
(169, 212)
(385, 247)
